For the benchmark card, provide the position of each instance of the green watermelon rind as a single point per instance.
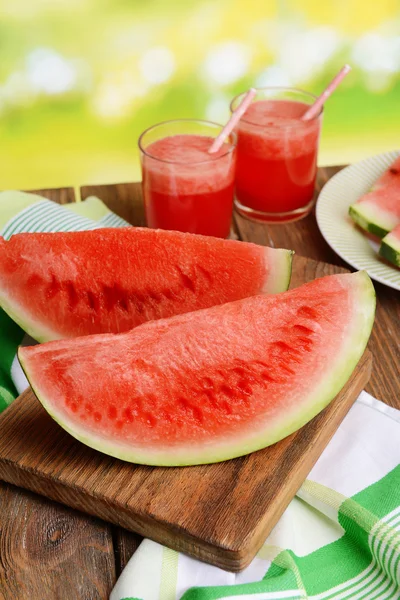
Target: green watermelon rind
(390, 249)
(364, 219)
(16, 313)
(279, 280)
(327, 389)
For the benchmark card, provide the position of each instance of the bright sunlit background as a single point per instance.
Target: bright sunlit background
(80, 79)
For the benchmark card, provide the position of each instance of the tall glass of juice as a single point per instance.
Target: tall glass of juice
(184, 187)
(277, 156)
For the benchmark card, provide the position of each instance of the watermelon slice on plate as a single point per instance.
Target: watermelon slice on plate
(390, 247)
(63, 285)
(378, 211)
(389, 176)
(209, 385)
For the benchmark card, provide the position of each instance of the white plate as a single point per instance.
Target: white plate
(340, 231)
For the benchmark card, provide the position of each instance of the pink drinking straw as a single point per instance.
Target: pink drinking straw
(316, 107)
(227, 130)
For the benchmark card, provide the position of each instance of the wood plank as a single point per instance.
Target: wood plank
(60, 195)
(305, 239)
(43, 545)
(197, 510)
(384, 344)
(125, 545)
(48, 551)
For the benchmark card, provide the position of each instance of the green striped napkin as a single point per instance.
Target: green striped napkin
(22, 212)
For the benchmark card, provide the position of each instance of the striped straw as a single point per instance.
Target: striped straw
(227, 130)
(314, 110)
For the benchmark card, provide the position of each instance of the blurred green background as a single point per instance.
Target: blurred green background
(80, 79)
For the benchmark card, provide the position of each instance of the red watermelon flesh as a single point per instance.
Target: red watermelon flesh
(378, 211)
(209, 385)
(390, 176)
(386, 198)
(63, 285)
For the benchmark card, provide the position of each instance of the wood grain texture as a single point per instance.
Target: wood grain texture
(219, 513)
(50, 552)
(60, 195)
(47, 551)
(125, 545)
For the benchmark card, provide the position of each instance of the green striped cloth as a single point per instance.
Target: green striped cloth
(339, 539)
(22, 212)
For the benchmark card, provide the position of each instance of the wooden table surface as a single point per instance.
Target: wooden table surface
(48, 552)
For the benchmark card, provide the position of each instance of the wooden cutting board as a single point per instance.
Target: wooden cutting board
(219, 513)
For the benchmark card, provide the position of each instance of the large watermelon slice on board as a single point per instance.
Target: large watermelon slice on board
(390, 246)
(63, 285)
(209, 385)
(378, 211)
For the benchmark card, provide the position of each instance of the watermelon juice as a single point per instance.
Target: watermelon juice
(277, 157)
(184, 187)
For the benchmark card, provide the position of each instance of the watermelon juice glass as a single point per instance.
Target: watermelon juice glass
(184, 187)
(277, 156)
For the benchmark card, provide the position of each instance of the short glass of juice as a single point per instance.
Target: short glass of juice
(184, 187)
(276, 156)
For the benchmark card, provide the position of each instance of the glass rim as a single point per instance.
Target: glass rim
(278, 88)
(229, 149)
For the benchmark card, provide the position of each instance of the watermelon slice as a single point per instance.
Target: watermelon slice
(390, 246)
(378, 211)
(391, 175)
(209, 385)
(63, 285)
